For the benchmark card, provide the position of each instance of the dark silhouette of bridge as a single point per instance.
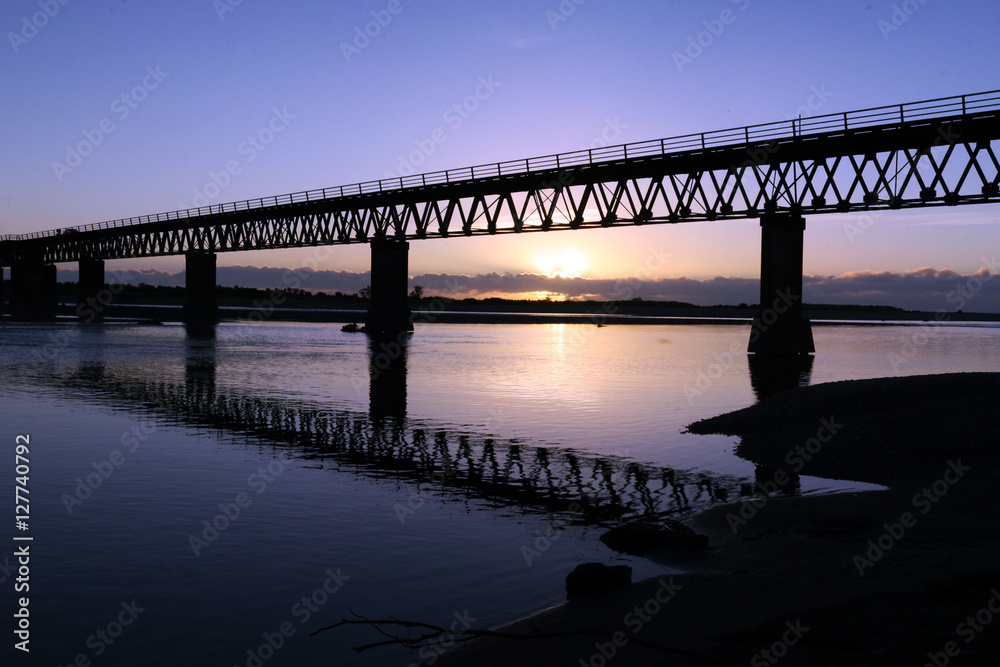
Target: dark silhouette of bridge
(937, 152)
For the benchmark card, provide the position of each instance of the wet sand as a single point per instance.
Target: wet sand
(905, 576)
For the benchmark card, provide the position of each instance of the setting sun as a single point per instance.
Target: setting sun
(567, 264)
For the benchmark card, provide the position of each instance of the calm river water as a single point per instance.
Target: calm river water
(194, 493)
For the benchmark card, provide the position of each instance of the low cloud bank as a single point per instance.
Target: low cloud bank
(919, 289)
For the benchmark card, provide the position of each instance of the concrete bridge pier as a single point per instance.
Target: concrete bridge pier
(90, 302)
(200, 303)
(389, 314)
(779, 327)
(33, 291)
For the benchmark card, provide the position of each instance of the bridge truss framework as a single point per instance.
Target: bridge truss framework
(933, 153)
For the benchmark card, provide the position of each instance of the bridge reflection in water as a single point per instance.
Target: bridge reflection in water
(773, 374)
(383, 443)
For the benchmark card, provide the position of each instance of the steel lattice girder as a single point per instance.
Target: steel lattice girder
(945, 162)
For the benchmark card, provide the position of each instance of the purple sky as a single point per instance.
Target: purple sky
(164, 96)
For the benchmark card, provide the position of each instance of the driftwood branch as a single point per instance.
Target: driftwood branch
(460, 636)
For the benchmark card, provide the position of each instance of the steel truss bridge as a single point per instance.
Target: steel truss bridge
(934, 153)
(940, 152)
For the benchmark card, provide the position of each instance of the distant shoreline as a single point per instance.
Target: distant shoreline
(163, 304)
(515, 312)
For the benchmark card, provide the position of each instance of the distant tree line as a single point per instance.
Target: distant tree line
(418, 294)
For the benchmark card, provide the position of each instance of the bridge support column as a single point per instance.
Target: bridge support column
(389, 313)
(200, 304)
(779, 327)
(3, 291)
(89, 305)
(33, 291)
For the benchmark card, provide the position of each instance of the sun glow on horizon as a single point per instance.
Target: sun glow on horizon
(544, 296)
(567, 264)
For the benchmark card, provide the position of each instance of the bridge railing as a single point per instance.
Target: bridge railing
(964, 105)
